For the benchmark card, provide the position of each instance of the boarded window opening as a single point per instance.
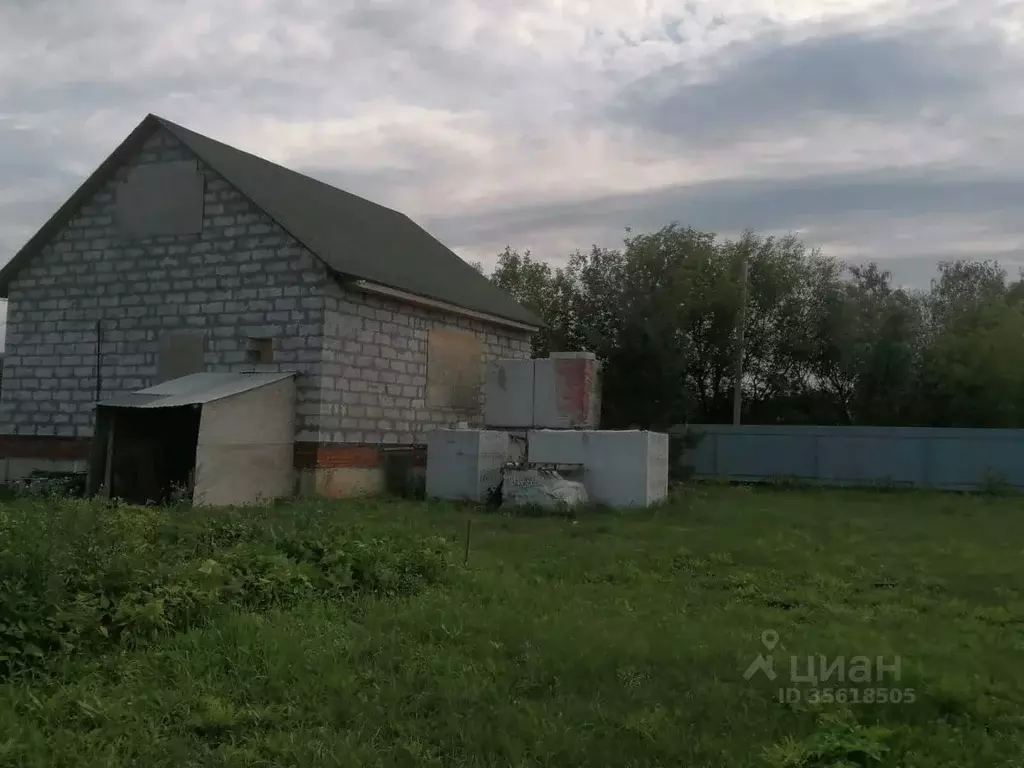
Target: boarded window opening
(181, 353)
(260, 351)
(160, 199)
(454, 370)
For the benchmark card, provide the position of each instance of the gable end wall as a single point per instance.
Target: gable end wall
(243, 276)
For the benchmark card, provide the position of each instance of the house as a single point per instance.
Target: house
(181, 254)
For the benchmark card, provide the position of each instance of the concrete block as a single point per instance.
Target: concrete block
(557, 446)
(509, 394)
(566, 393)
(627, 468)
(622, 468)
(465, 464)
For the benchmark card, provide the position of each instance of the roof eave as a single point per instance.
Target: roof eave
(368, 286)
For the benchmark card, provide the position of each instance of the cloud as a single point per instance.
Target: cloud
(773, 84)
(877, 215)
(886, 129)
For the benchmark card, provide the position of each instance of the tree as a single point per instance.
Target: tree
(825, 343)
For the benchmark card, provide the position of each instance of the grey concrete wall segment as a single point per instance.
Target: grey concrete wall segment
(465, 464)
(952, 459)
(160, 199)
(508, 394)
(181, 352)
(245, 447)
(622, 468)
(361, 358)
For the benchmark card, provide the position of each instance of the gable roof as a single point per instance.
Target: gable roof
(354, 237)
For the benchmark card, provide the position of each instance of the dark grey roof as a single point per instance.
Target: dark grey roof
(353, 236)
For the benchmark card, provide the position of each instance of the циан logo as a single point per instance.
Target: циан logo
(764, 664)
(819, 679)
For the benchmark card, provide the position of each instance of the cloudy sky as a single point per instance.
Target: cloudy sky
(878, 129)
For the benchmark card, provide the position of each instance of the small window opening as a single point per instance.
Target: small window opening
(260, 351)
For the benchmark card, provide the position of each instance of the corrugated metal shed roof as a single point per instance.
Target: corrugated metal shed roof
(194, 389)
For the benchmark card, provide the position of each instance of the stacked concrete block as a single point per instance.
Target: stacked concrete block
(557, 446)
(558, 392)
(465, 464)
(566, 391)
(621, 468)
(508, 394)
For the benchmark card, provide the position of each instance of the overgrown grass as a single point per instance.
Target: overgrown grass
(615, 639)
(80, 577)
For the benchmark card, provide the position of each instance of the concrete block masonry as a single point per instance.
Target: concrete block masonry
(558, 392)
(566, 392)
(557, 446)
(465, 464)
(627, 468)
(620, 468)
(508, 394)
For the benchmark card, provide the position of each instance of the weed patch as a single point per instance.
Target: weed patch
(77, 576)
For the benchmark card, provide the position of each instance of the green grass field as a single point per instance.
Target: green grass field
(619, 639)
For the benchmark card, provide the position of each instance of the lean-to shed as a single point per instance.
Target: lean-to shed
(217, 438)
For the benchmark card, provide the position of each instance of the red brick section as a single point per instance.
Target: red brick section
(348, 457)
(310, 455)
(44, 447)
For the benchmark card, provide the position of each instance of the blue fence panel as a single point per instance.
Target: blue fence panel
(953, 459)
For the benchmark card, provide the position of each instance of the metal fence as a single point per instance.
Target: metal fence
(951, 459)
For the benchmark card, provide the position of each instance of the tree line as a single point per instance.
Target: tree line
(823, 342)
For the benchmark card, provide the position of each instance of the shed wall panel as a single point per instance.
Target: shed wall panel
(246, 447)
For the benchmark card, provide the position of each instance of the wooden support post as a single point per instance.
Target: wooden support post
(108, 465)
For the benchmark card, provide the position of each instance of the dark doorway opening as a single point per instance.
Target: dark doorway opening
(146, 455)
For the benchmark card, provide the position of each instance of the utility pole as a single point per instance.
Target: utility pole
(741, 322)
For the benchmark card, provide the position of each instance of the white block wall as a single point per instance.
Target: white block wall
(622, 468)
(465, 464)
(508, 394)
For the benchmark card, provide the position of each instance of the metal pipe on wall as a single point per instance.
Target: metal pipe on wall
(99, 369)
